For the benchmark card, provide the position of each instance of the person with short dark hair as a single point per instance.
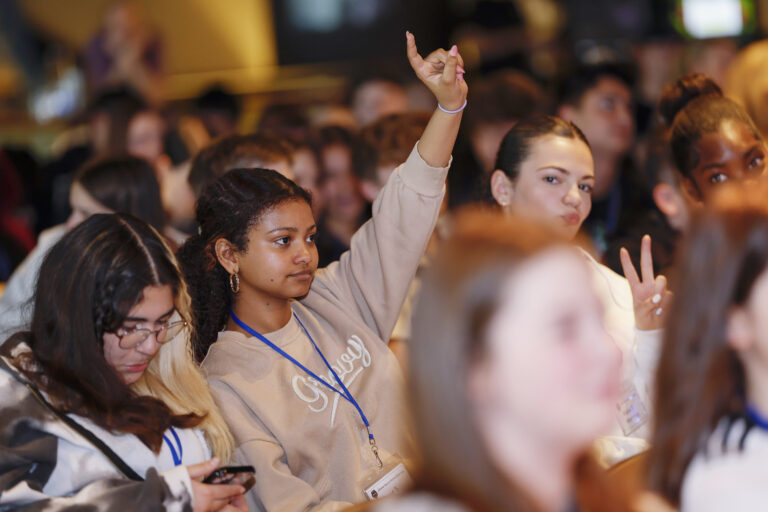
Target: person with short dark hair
(239, 151)
(599, 99)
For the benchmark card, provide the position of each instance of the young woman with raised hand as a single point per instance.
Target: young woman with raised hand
(710, 441)
(512, 375)
(297, 357)
(545, 173)
(101, 403)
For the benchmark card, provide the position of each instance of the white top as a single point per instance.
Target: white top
(20, 288)
(726, 478)
(640, 354)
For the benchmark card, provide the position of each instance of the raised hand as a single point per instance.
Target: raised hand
(442, 72)
(650, 296)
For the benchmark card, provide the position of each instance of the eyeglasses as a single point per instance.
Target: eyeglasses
(132, 337)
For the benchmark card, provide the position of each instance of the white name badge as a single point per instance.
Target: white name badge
(394, 481)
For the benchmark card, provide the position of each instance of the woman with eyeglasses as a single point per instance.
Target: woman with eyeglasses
(101, 403)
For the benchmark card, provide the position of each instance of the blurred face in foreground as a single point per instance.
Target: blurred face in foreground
(550, 375)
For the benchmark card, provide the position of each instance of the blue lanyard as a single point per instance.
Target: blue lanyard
(757, 418)
(344, 393)
(176, 456)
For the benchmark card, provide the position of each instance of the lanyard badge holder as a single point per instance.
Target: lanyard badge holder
(395, 478)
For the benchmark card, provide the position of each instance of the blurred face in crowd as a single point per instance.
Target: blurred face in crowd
(146, 133)
(178, 197)
(341, 193)
(378, 98)
(83, 205)
(731, 154)
(306, 174)
(553, 186)
(550, 373)
(152, 311)
(605, 116)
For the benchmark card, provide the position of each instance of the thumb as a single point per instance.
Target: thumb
(200, 471)
(449, 71)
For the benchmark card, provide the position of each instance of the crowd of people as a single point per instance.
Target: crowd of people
(572, 319)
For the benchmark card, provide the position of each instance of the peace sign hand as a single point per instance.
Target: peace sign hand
(650, 296)
(442, 72)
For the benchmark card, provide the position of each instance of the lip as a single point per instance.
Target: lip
(304, 275)
(571, 219)
(137, 368)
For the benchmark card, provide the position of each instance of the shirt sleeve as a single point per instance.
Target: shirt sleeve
(373, 276)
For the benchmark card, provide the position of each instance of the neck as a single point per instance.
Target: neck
(340, 227)
(534, 464)
(606, 172)
(262, 314)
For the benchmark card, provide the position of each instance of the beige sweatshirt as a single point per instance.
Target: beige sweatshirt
(309, 446)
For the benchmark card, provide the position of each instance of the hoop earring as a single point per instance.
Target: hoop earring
(234, 282)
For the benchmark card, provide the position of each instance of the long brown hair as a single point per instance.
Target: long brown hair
(459, 296)
(700, 379)
(88, 283)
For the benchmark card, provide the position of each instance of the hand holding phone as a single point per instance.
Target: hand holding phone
(233, 475)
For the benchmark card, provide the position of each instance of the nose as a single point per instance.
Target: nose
(573, 196)
(150, 345)
(303, 255)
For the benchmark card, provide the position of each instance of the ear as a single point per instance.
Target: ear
(739, 332)
(227, 255)
(369, 190)
(502, 188)
(666, 199)
(566, 112)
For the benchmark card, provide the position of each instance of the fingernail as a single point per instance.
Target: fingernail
(460, 77)
(461, 69)
(658, 311)
(656, 298)
(454, 50)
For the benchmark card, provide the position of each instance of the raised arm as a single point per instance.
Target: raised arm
(443, 74)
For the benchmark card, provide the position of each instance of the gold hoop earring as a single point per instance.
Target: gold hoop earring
(234, 282)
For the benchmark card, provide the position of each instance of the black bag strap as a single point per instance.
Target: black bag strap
(114, 458)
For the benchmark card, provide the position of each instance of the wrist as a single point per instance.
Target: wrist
(451, 108)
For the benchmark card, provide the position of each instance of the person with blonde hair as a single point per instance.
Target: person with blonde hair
(102, 402)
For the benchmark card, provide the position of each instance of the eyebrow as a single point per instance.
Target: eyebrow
(291, 229)
(564, 171)
(138, 319)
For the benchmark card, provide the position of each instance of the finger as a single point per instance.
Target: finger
(449, 72)
(225, 491)
(629, 269)
(200, 471)
(438, 57)
(413, 53)
(646, 260)
(660, 285)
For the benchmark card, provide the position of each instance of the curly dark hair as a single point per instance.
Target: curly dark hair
(227, 209)
(88, 283)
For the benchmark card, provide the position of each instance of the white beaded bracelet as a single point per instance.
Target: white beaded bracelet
(452, 111)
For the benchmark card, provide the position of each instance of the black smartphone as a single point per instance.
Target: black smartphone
(234, 475)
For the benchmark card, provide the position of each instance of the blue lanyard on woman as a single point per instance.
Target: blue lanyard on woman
(345, 394)
(757, 418)
(175, 455)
